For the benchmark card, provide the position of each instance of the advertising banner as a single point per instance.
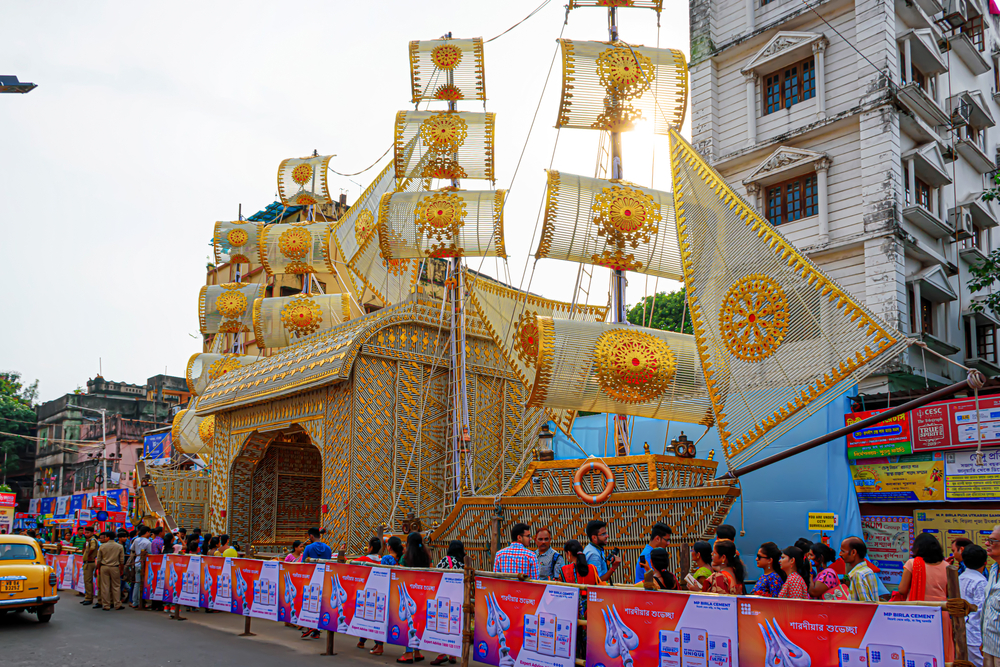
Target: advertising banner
(45, 507)
(300, 593)
(887, 438)
(76, 502)
(221, 585)
(962, 418)
(889, 539)
(905, 480)
(245, 572)
(355, 598)
(964, 480)
(635, 627)
(152, 582)
(175, 567)
(425, 610)
(930, 428)
(190, 586)
(211, 567)
(78, 575)
(156, 448)
(947, 525)
(62, 506)
(64, 570)
(265, 592)
(799, 632)
(525, 624)
(33, 505)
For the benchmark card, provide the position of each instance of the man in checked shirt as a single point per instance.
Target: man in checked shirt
(517, 558)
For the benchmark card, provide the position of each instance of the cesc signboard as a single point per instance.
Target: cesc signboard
(886, 438)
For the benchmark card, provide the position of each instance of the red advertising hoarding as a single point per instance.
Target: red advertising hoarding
(887, 438)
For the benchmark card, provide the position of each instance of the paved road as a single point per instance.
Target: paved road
(79, 636)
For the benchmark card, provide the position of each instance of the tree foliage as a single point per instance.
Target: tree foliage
(664, 311)
(17, 417)
(984, 275)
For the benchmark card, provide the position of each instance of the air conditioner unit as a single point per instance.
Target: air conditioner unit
(961, 114)
(963, 225)
(955, 13)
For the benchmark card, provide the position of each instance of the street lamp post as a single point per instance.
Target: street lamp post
(104, 441)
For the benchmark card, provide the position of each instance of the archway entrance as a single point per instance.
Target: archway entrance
(279, 491)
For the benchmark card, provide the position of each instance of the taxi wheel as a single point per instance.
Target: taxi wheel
(44, 618)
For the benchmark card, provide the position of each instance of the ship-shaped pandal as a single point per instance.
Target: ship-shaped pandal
(427, 413)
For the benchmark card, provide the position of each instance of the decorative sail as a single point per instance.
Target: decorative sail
(192, 434)
(284, 321)
(447, 70)
(391, 280)
(302, 181)
(295, 247)
(227, 308)
(443, 223)
(510, 317)
(204, 367)
(616, 224)
(236, 242)
(610, 86)
(619, 369)
(635, 4)
(449, 144)
(778, 339)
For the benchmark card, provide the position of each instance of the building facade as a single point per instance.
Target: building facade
(864, 131)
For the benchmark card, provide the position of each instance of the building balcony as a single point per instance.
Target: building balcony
(916, 99)
(938, 345)
(984, 366)
(972, 256)
(919, 216)
(975, 155)
(963, 47)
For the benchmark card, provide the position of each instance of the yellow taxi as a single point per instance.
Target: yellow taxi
(26, 582)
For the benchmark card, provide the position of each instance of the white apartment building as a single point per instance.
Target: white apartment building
(864, 130)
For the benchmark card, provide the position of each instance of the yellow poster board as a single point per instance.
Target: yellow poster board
(822, 520)
(946, 525)
(899, 482)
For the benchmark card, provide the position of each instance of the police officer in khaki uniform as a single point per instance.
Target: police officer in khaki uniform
(110, 564)
(90, 548)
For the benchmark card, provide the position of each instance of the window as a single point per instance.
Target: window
(923, 194)
(974, 29)
(792, 200)
(977, 240)
(986, 347)
(918, 76)
(790, 85)
(926, 320)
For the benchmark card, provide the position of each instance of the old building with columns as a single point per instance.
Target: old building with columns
(862, 130)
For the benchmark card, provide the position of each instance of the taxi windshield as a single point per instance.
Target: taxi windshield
(16, 552)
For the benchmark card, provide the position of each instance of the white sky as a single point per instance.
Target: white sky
(150, 123)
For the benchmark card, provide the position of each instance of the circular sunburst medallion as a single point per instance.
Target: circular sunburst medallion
(753, 319)
(231, 304)
(206, 431)
(440, 212)
(301, 316)
(449, 93)
(626, 216)
(624, 74)
(526, 339)
(633, 366)
(302, 173)
(294, 243)
(237, 237)
(305, 200)
(222, 366)
(446, 56)
(363, 226)
(444, 131)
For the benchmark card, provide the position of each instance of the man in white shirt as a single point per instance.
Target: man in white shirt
(140, 545)
(972, 583)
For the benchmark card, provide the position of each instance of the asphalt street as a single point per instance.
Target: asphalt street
(79, 636)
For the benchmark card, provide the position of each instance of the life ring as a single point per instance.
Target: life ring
(609, 486)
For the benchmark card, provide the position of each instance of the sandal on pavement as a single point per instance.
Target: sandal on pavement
(404, 660)
(376, 651)
(361, 644)
(440, 660)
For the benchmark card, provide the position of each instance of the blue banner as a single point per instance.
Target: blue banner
(45, 507)
(76, 502)
(156, 449)
(117, 500)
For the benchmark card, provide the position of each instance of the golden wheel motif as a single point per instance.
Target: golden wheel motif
(446, 56)
(237, 237)
(305, 200)
(302, 173)
(363, 226)
(623, 73)
(444, 131)
(295, 243)
(231, 304)
(633, 366)
(753, 319)
(297, 268)
(443, 167)
(222, 366)
(206, 431)
(301, 316)
(439, 217)
(448, 93)
(526, 338)
(626, 217)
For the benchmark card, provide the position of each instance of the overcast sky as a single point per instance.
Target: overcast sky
(150, 122)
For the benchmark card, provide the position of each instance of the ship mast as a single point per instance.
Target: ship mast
(618, 275)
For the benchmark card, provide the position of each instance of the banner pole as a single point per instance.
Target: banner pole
(468, 610)
(246, 628)
(329, 643)
(957, 620)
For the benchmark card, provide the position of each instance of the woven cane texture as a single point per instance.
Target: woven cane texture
(443, 223)
(286, 320)
(447, 70)
(204, 367)
(778, 339)
(294, 247)
(444, 144)
(615, 224)
(620, 369)
(302, 181)
(227, 308)
(236, 242)
(614, 86)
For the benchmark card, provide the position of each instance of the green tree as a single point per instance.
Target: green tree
(664, 312)
(17, 417)
(987, 273)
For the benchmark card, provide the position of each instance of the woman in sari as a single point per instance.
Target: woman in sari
(769, 585)
(727, 579)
